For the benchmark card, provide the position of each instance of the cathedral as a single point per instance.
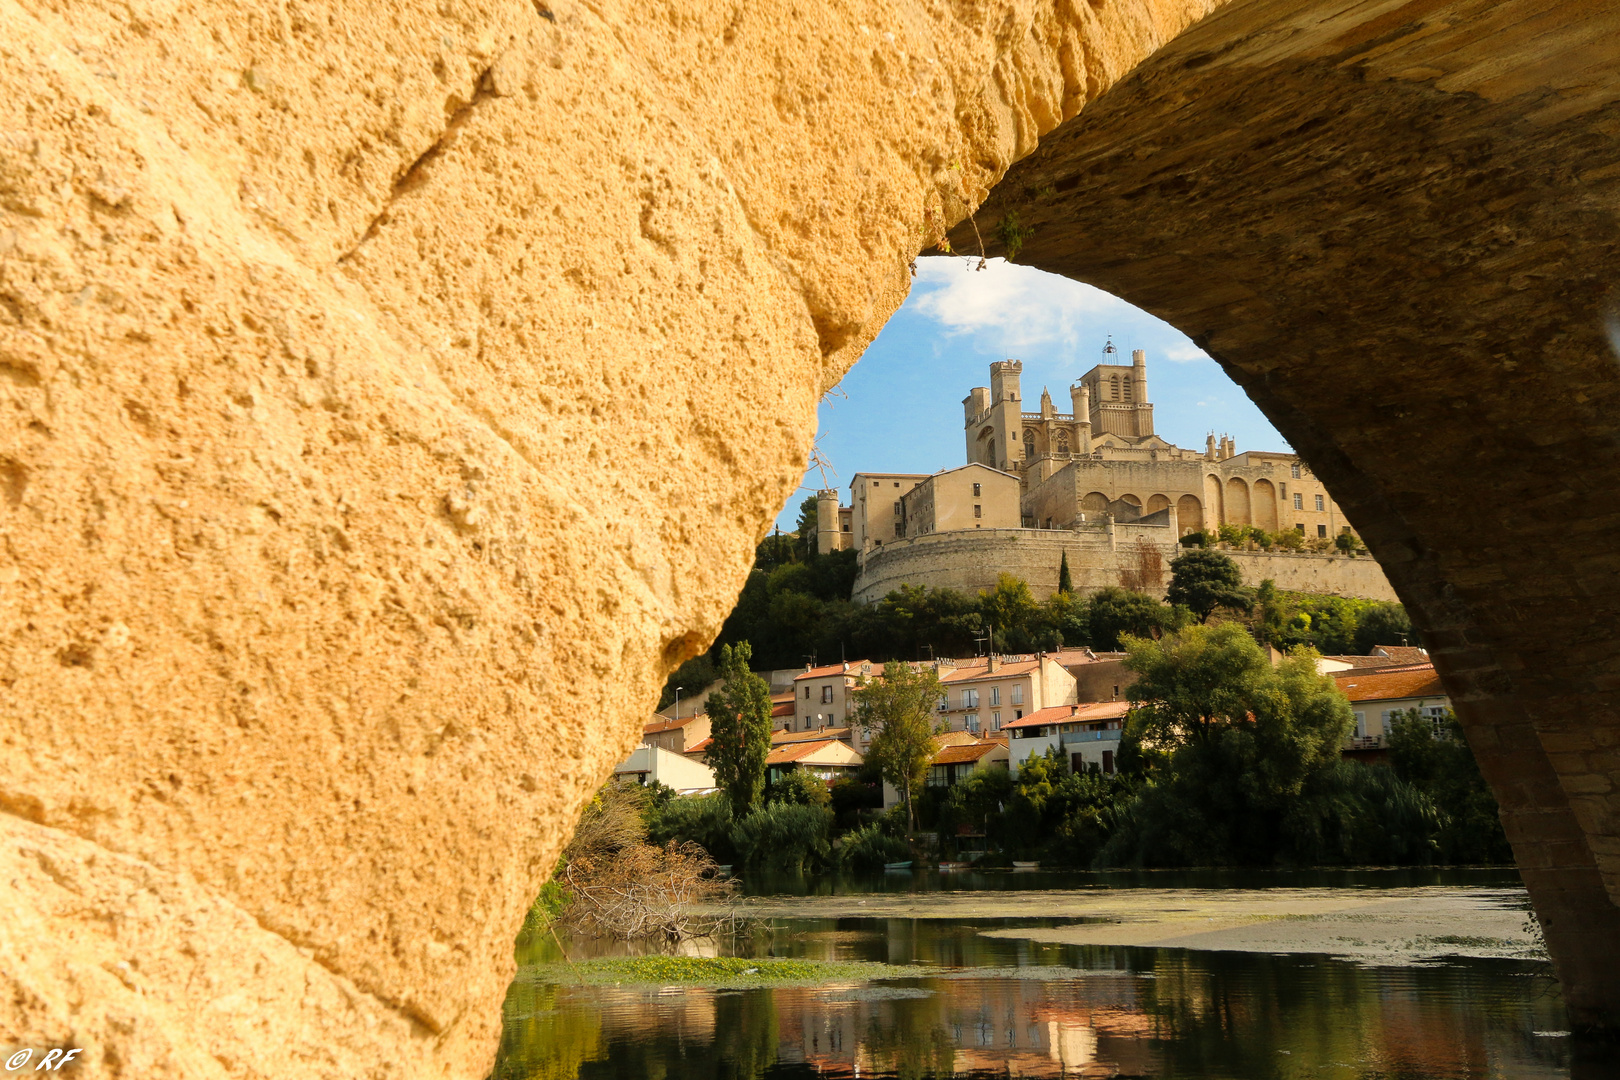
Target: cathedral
(1103, 457)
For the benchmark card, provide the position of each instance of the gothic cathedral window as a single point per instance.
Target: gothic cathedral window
(1029, 443)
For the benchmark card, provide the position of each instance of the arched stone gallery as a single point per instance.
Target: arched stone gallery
(380, 382)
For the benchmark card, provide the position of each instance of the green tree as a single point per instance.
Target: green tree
(1251, 751)
(1435, 759)
(1113, 613)
(809, 520)
(1202, 580)
(1271, 614)
(897, 713)
(1065, 582)
(740, 724)
(1009, 606)
(1383, 624)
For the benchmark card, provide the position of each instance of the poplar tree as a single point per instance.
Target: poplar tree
(1065, 582)
(740, 725)
(897, 711)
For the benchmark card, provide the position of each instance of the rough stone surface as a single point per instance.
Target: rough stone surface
(390, 394)
(1395, 225)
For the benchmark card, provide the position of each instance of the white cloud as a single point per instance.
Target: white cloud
(1184, 354)
(1020, 307)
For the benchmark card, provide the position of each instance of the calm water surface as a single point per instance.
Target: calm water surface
(1009, 1007)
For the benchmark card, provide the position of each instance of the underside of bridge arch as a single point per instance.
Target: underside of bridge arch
(1395, 226)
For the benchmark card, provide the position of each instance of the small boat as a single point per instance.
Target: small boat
(953, 866)
(1025, 865)
(897, 865)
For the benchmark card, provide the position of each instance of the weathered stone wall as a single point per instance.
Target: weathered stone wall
(377, 382)
(1337, 575)
(970, 560)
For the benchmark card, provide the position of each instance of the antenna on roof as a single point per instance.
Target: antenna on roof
(1109, 346)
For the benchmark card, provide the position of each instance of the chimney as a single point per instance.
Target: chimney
(993, 663)
(1074, 710)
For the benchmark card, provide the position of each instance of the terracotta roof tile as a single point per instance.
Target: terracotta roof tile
(818, 735)
(953, 755)
(1389, 684)
(789, 752)
(1072, 714)
(698, 748)
(664, 723)
(854, 668)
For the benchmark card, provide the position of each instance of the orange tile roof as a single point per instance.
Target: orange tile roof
(698, 748)
(953, 755)
(819, 734)
(982, 671)
(796, 751)
(1070, 714)
(783, 708)
(1389, 684)
(1404, 654)
(853, 668)
(664, 723)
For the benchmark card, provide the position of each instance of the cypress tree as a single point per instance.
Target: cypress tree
(1065, 583)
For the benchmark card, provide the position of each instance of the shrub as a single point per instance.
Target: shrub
(851, 794)
(799, 787)
(704, 820)
(783, 836)
(868, 848)
(1195, 539)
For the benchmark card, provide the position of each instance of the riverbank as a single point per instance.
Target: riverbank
(1374, 926)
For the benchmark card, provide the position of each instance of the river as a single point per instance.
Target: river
(1286, 976)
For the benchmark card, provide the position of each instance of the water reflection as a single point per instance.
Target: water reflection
(1027, 1009)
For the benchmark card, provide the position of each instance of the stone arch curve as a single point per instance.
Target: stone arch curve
(1316, 369)
(1237, 501)
(1214, 502)
(1189, 515)
(424, 296)
(1263, 504)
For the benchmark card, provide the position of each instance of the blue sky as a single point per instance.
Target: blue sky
(900, 408)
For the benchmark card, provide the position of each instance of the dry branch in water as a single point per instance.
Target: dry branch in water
(642, 891)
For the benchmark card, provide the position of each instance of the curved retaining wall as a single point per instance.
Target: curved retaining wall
(971, 561)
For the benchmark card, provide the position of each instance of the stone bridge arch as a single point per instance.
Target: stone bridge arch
(360, 375)
(1388, 227)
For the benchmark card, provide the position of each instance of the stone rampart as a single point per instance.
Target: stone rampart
(970, 560)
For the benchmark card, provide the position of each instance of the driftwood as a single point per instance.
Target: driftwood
(642, 891)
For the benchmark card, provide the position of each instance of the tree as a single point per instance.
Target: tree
(1382, 624)
(1009, 606)
(740, 725)
(1434, 757)
(1065, 582)
(897, 713)
(1113, 613)
(1203, 580)
(809, 522)
(1271, 613)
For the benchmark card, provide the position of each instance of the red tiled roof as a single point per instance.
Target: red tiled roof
(818, 735)
(953, 755)
(982, 671)
(701, 747)
(796, 751)
(1403, 654)
(664, 723)
(1389, 684)
(1069, 714)
(853, 668)
(783, 708)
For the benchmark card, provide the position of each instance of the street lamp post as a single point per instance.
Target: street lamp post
(678, 690)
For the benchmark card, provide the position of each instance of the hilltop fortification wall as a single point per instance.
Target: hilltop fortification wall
(971, 560)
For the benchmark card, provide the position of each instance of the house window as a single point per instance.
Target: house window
(995, 695)
(978, 511)
(897, 508)
(1018, 694)
(1436, 715)
(995, 721)
(826, 694)
(1321, 532)
(1108, 762)
(1299, 526)
(1319, 505)
(807, 692)
(973, 723)
(832, 719)
(1018, 714)
(970, 699)
(897, 483)
(1299, 501)
(1361, 725)
(976, 491)
(1294, 471)
(944, 702)
(899, 530)
(936, 776)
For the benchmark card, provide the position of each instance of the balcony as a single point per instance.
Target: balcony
(1364, 742)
